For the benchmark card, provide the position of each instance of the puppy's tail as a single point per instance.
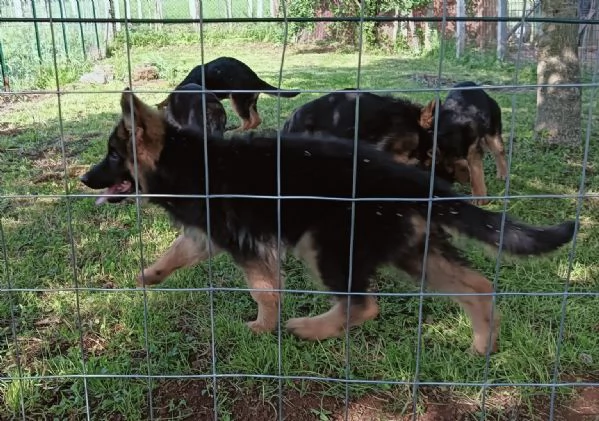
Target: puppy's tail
(484, 225)
(285, 93)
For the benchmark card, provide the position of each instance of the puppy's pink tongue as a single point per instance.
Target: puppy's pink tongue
(110, 190)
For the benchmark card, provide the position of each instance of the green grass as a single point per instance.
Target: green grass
(112, 325)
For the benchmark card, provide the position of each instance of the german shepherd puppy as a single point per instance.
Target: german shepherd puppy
(469, 123)
(391, 124)
(229, 74)
(171, 160)
(184, 107)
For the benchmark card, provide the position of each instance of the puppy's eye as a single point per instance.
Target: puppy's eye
(113, 155)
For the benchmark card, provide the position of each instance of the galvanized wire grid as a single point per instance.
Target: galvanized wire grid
(214, 376)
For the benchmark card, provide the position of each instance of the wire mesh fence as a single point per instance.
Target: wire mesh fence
(80, 341)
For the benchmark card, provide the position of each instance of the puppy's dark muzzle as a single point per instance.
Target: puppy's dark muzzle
(99, 177)
(85, 179)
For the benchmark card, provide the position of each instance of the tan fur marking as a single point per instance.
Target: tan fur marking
(246, 124)
(306, 251)
(477, 175)
(402, 147)
(427, 115)
(149, 129)
(445, 276)
(419, 225)
(261, 276)
(163, 103)
(333, 323)
(461, 171)
(495, 145)
(255, 119)
(185, 251)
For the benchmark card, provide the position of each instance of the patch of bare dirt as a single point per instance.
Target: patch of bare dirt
(193, 400)
(9, 100)
(9, 129)
(93, 343)
(145, 72)
(185, 400)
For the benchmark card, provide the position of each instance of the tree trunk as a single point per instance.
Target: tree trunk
(274, 8)
(260, 9)
(158, 12)
(558, 108)
(18, 8)
(502, 12)
(487, 30)
(460, 32)
(117, 13)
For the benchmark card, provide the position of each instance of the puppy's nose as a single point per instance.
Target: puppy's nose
(84, 178)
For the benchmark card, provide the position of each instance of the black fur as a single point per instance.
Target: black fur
(228, 73)
(392, 124)
(385, 231)
(465, 117)
(186, 108)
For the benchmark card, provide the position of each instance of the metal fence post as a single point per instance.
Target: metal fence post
(37, 31)
(5, 83)
(96, 26)
(81, 30)
(64, 28)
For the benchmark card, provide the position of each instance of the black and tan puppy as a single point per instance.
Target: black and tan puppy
(391, 124)
(229, 74)
(185, 107)
(171, 161)
(469, 124)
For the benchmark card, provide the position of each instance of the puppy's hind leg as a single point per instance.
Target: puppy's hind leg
(334, 322)
(495, 144)
(241, 106)
(255, 119)
(448, 274)
(477, 174)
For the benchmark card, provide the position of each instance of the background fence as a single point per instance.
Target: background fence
(78, 341)
(26, 43)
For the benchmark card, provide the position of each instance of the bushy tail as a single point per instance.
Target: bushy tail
(285, 93)
(485, 226)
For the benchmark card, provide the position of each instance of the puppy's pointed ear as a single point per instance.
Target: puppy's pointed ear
(427, 114)
(134, 110)
(149, 127)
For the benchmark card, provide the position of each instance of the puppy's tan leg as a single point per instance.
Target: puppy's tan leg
(184, 251)
(461, 171)
(334, 322)
(246, 117)
(260, 276)
(495, 145)
(477, 173)
(450, 276)
(255, 119)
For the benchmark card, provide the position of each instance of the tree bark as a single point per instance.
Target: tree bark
(460, 32)
(18, 8)
(558, 108)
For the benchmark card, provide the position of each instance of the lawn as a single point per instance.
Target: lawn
(69, 306)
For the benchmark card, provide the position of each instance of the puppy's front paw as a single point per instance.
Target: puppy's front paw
(258, 327)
